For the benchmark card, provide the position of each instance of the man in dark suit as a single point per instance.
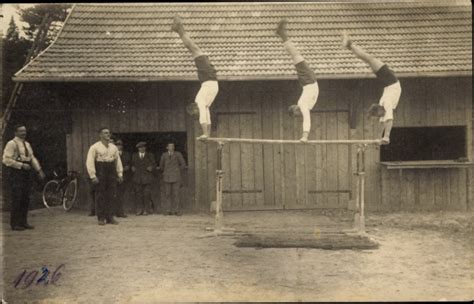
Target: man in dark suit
(171, 164)
(122, 189)
(143, 164)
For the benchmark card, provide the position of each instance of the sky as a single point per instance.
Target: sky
(8, 11)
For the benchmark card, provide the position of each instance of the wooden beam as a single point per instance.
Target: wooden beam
(442, 164)
(242, 191)
(236, 113)
(330, 111)
(329, 191)
(279, 141)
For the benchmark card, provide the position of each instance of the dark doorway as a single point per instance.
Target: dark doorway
(156, 142)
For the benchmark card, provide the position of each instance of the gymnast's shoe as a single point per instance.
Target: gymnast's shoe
(203, 137)
(346, 41)
(177, 25)
(303, 139)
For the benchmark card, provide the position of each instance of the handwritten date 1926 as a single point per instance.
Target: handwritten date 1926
(28, 278)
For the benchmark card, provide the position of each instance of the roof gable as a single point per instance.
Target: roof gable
(133, 42)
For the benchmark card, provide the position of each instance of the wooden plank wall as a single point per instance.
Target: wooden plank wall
(288, 176)
(471, 152)
(430, 102)
(266, 176)
(321, 176)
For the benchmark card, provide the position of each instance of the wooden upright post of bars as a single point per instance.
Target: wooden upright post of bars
(219, 177)
(359, 219)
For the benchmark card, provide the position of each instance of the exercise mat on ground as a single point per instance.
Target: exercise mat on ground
(329, 241)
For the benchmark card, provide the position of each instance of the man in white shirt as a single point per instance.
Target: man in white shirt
(19, 159)
(306, 78)
(105, 169)
(207, 75)
(392, 88)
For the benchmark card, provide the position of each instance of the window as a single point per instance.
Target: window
(425, 143)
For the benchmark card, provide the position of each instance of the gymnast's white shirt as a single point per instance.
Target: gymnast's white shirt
(389, 100)
(307, 101)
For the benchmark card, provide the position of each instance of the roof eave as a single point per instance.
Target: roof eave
(234, 78)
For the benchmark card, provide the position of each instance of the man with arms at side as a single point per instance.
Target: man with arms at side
(171, 164)
(143, 163)
(105, 170)
(20, 161)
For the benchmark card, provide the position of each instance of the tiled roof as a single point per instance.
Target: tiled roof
(133, 42)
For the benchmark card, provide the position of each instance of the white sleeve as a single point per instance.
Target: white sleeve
(8, 156)
(34, 161)
(90, 162)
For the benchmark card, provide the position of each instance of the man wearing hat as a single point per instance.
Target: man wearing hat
(122, 189)
(142, 165)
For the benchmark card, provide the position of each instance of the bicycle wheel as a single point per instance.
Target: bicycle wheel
(69, 197)
(52, 194)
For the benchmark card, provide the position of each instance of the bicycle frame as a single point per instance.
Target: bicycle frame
(64, 181)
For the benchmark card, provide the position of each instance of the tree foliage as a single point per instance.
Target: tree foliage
(15, 50)
(12, 31)
(15, 47)
(39, 105)
(34, 15)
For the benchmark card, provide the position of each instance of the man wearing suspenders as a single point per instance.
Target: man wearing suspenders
(19, 159)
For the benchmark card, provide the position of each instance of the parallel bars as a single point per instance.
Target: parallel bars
(359, 218)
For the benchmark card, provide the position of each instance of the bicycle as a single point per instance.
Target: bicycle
(61, 191)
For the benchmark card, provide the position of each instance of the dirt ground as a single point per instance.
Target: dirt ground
(162, 258)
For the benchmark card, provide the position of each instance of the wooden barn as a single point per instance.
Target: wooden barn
(119, 65)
